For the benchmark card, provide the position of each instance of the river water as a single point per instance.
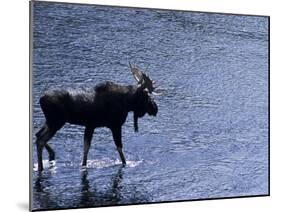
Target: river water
(210, 137)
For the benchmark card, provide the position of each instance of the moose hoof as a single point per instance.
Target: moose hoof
(52, 163)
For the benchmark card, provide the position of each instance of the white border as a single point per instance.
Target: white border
(14, 90)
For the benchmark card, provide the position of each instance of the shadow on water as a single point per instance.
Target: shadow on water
(111, 196)
(41, 193)
(115, 192)
(91, 192)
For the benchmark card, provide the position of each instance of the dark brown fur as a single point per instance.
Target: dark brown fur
(107, 105)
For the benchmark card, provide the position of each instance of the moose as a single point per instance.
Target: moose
(105, 105)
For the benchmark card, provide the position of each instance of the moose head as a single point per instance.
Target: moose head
(145, 89)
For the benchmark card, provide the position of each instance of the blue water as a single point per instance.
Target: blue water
(210, 137)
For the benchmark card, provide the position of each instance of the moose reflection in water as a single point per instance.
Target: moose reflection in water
(89, 192)
(107, 105)
(111, 196)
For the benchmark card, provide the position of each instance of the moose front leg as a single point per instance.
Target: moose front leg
(87, 143)
(136, 122)
(116, 132)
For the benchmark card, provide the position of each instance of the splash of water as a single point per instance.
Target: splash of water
(51, 165)
(104, 163)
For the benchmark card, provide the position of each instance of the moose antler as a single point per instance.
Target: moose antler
(143, 78)
(138, 75)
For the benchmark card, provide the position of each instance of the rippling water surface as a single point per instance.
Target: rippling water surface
(210, 137)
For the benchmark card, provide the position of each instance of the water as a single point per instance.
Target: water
(210, 137)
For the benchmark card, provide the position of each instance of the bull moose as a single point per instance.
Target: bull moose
(105, 105)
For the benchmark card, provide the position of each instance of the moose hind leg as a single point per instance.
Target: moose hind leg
(41, 141)
(117, 134)
(50, 152)
(87, 143)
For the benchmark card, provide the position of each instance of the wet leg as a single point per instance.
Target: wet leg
(41, 141)
(116, 132)
(50, 152)
(87, 143)
(39, 145)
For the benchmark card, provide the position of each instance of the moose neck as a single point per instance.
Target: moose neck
(133, 99)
